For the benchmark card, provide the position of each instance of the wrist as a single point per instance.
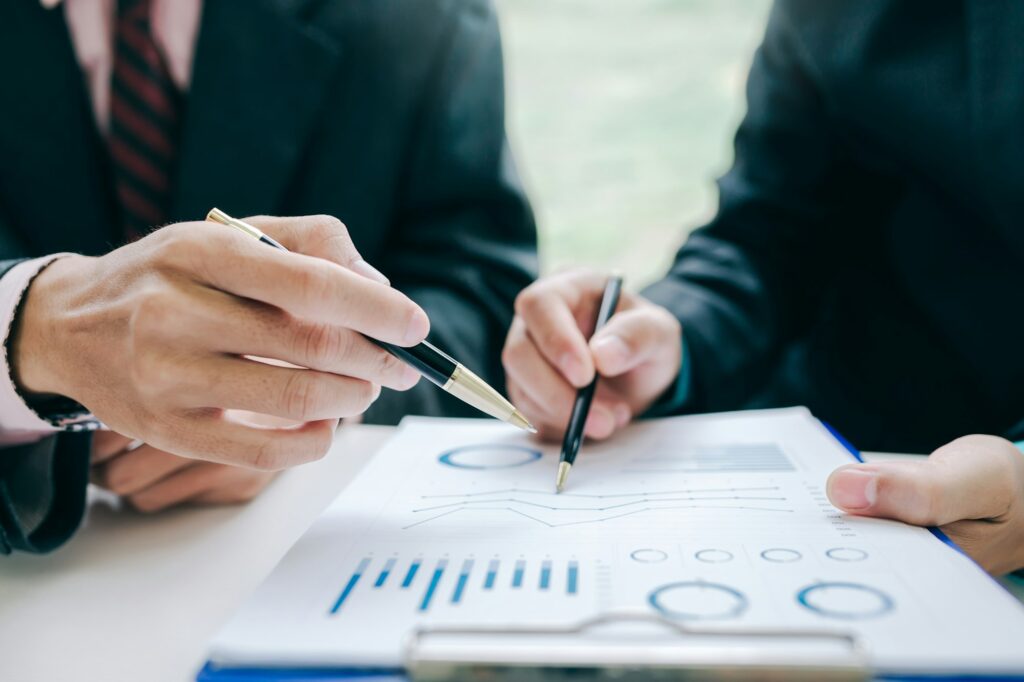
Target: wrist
(39, 330)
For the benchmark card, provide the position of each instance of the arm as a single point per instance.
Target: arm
(42, 476)
(745, 286)
(464, 242)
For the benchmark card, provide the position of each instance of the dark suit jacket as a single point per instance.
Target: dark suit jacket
(867, 258)
(386, 113)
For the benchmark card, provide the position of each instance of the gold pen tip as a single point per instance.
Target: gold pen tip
(563, 473)
(522, 422)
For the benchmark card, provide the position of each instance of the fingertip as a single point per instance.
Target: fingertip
(611, 354)
(576, 370)
(852, 488)
(418, 327)
(409, 378)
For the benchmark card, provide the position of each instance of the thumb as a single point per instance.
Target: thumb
(934, 492)
(632, 338)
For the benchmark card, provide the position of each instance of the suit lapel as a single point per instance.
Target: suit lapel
(61, 186)
(258, 81)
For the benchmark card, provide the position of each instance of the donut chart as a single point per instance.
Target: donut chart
(485, 457)
(781, 555)
(845, 600)
(847, 554)
(698, 600)
(713, 556)
(648, 556)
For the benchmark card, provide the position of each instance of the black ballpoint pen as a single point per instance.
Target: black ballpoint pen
(585, 396)
(424, 357)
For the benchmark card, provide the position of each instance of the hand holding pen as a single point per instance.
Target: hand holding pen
(157, 338)
(441, 369)
(552, 351)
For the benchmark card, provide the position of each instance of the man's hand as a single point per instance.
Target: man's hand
(547, 356)
(157, 338)
(972, 488)
(152, 480)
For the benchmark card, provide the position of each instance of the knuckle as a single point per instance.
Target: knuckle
(268, 456)
(324, 227)
(175, 245)
(558, 344)
(319, 341)
(302, 395)
(529, 301)
(388, 364)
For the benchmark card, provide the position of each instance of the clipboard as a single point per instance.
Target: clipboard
(733, 655)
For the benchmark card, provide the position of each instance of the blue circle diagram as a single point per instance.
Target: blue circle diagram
(482, 457)
(648, 556)
(845, 601)
(713, 556)
(846, 554)
(781, 555)
(698, 600)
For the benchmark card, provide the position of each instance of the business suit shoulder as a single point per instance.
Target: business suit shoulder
(404, 27)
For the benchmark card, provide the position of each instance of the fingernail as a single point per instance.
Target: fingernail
(419, 327)
(366, 270)
(611, 351)
(853, 489)
(573, 369)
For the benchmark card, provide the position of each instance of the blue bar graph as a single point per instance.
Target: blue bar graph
(411, 575)
(517, 575)
(351, 585)
(460, 586)
(572, 585)
(492, 574)
(434, 580)
(545, 575)
(385, 572)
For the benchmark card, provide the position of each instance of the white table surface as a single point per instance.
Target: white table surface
(134, 597)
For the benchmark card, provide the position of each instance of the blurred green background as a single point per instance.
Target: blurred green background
(621, 114)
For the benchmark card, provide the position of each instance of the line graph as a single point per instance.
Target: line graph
(602, 519)
(533, 504)
(642, 500)
(645, 493)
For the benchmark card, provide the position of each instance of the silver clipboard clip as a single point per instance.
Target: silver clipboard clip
(632, 646)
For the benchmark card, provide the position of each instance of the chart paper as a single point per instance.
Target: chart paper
(717, 521)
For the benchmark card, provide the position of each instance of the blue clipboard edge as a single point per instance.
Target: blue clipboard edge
(212, 673)
(857, 456)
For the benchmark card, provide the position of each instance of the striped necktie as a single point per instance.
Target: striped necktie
(144, 121)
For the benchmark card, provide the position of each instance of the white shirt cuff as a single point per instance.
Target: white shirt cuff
(18, 422)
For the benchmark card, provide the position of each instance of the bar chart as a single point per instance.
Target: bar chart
(431, 581)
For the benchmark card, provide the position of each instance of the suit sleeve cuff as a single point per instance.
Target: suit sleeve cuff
(18, 422)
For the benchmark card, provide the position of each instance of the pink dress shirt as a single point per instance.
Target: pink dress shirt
(90, 22)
